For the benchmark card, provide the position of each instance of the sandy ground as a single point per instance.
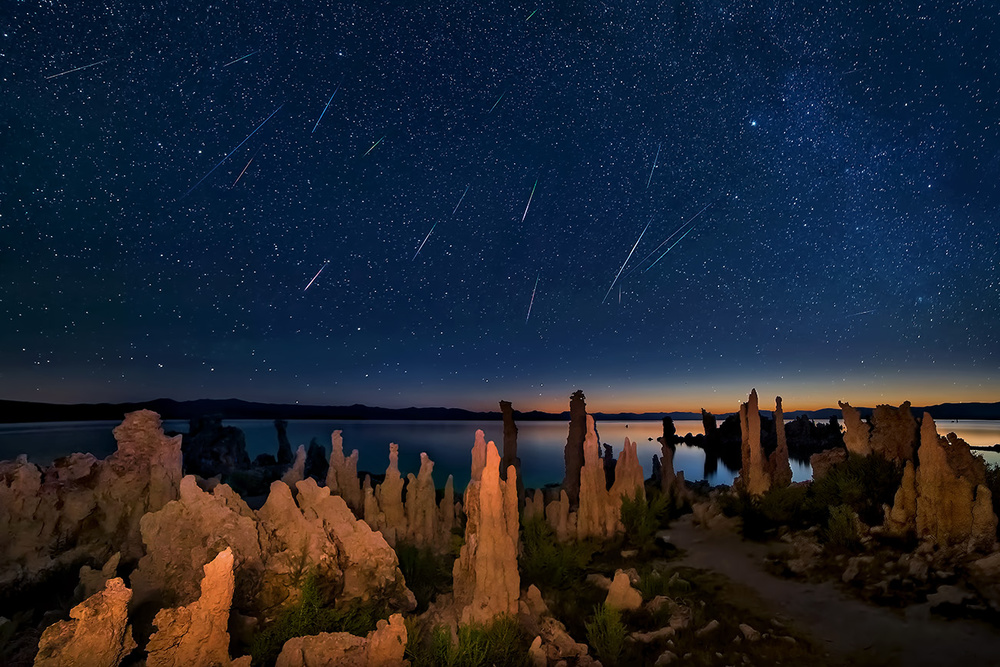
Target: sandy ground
(852, 632)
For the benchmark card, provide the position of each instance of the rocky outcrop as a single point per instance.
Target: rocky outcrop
(97, 633)
(486, 580)
(894, 432)
(953, 503)
(599, 514)
(574, 453)
(621, 595)
(384, 647)
(857, 434)
(197, 634)
(212, 449)
(342, 477)
(187, 534)
(93, 506)
(778, 467)
(822, 462)
(753, 475)
(384, 509)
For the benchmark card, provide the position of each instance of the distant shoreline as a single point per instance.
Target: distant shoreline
(17, 412)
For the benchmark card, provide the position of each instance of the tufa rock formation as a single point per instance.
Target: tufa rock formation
(384, 647)
(510, 457)
(298, 470)
(197, 634)
(856, 436)
(753, 475)
(342, 477)
(82, 509)
(284, 444)
(97, 633)
(574, 454)
(894, 432)
(599, 514)
(486, 580)
(778, 467)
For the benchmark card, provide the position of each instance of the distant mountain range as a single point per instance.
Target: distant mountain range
(24, 411)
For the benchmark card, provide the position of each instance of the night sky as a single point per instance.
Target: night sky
(824, 182)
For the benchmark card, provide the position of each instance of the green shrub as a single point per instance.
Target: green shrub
(841, 529)
(642, 516)
(653, 583)
(502, 642)
(545, 561)
(606, 634)
(426, 573)
(863, 483)
(310, 615)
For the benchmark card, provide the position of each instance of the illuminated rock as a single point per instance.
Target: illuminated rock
(753, 476)
(342, 477)
(629, 480)
(621, 595)
(857, 434)
(901, 518)
(953, 504)
(894, 432)
(197, 634)
(297, 472)
(574, 452)
(97, 633)
(422, 516)
(778, 467)
(486, 580)
(384, 647)
(597, 516)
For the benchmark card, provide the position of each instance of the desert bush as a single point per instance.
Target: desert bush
(642, 515)
(864, 483)
(501, 642)
(653, 582)
(841, 528)
(762, 515)
(606, 634)
(426, 573)
(545, 561)
(310, 615)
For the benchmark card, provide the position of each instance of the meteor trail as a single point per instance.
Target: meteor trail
(239, 59)
(374, 145)
(674, 233)
(532, 302)
(658, 147)
(77, 69)
(243, 172)
(325, 108)
(460, 199)
(496, 103)
(231, 152)
(669, 249)
(530, 15)
(529, 200)
(627, 259)
(316, 276)
(424, 241)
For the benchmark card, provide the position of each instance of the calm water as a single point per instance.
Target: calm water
(448, 443)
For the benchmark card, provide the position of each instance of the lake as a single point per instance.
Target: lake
(448, 443)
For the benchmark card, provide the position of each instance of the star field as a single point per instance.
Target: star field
(845, 161)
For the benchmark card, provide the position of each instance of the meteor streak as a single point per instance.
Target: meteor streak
(316, 276)
(669, 249)
(424, 241)
(243, 172)
(325, 108)
(530, 15)
(231, 152)
(232, 62)
(674, 233)
(496, 103)
(653, 168)
(627, 259)
(373, 146)
(532, 302)
(529, 200)
(77, 69)
(460, 199)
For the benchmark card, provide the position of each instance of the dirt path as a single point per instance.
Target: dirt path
(852, 631)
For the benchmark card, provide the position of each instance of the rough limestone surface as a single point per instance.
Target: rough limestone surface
(894, 432)
(778, 467)
(597, 515)
(421, 506)
(197, 634)
(621, 595)
(953, 504)
(753, 476)
(97, 633)
(534, 505)
(857, 434)
(93, 505)
(629, 481)
(486, 580)
(574, 452)
(389, 512)
(822, 462)
(383, 647)
(93, 581)
(292, 546)
(901, 518)
(558, 514)
(369, 565)
(188, 533)
(298, 470)
(342, 477)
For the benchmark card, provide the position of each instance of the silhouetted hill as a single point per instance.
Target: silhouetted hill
(232, 408)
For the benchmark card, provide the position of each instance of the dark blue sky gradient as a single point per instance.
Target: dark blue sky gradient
(848, 157)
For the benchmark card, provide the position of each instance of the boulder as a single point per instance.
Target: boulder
(621, 595)
(383, 647)
(97, 633)
(822, 462)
